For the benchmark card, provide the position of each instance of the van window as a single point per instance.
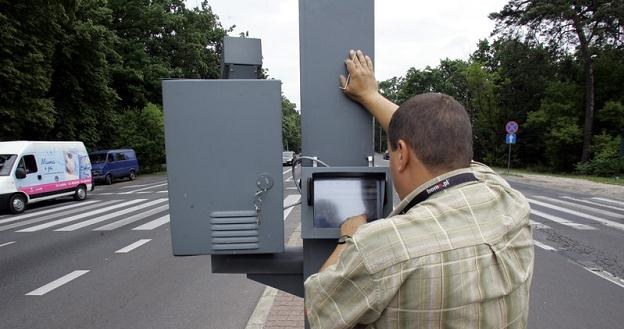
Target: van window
(29, 163)
(6, 163)
(120, 156)
(111, 158)
(97, 157)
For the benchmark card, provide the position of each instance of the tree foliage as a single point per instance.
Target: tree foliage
(291, 126)
(583, 27)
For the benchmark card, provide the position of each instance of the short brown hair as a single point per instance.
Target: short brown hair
(437, 128)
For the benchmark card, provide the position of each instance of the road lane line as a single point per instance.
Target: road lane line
(47, 211)
(57, 283)
(6, 244)
(603, 221)
(132, 246)
(95, 220)
(141, 185)
(603, 274)
(540, 226)
(153, 224)
(544, 246)
(56, 215)
(609, 201)
(80, 216)
(580, 206)
(131, 219)
(288, 201)
(143, 189)
(594, 203)
(561, 221)
(287, 171)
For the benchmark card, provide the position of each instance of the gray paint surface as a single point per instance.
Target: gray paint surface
(238, 122)
(247, 51)
(334, 128)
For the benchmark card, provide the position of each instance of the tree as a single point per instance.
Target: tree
(583, 25)
(291, 126)
(28, 35)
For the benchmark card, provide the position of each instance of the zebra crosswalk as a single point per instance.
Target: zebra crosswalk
(109, 214)
(547, 212)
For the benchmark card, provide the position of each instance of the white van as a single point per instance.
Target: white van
(36, 171)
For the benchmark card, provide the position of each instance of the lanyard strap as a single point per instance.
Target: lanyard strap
(439, 186)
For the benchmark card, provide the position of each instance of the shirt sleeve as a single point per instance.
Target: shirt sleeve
(343, 295)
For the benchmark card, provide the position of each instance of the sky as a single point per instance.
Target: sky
(408, 33)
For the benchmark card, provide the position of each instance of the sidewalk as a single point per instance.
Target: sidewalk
(565, 184)
(279, 310)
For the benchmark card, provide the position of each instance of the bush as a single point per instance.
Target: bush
(607, 162)
(144, 131)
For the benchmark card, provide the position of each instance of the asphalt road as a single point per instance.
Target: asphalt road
(107, 263)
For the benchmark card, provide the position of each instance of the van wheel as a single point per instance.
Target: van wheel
(132, 175)
(17, 203)
(108, 179)
(81, 193)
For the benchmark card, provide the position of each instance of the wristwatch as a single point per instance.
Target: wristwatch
(343, 239)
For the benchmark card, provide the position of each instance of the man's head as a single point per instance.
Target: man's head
(429, 134)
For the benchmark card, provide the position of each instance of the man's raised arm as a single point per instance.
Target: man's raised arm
(361, 86)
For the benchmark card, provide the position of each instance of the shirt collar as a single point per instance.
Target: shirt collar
(422, 187)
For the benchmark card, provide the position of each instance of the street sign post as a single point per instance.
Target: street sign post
(512, 128)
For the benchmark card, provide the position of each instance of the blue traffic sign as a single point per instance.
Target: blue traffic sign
(510, 139)
(511, 127)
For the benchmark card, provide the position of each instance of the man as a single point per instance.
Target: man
(456, 252)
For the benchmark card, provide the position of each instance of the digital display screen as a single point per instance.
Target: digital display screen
(336, 199)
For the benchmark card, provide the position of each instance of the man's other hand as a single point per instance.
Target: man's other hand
(351, 224)
(360, 85)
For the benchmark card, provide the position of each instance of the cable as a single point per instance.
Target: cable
(298, 160)
(292, 205)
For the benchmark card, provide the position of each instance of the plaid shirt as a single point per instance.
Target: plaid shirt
(461, 259)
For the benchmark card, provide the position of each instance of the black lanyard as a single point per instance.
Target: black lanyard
(439, 186)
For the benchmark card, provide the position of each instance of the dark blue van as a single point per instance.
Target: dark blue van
(107, 165)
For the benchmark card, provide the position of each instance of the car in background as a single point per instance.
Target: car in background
(386, 155)
(287, 158)
(110, 164)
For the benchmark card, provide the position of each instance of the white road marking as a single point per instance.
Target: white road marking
(6, 244)
(47, 211)
(153, 224)
(540, 226)
(132, 246)
(291, 188)
(603, 221)
(131, 219)
(580, 206)
(56, 215)
(57, 283)
(288, 201)
(544, 246)
(80, 216)
(287, 171)
(144, 188)
(141, 185)
(594, 203)
(109, 216)
(561, 221)
(604, 274)
(609, 201)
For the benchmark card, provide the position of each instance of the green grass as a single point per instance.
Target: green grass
(597, 179)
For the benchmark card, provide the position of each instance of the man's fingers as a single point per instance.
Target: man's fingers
(369, 63)
(360, 58)
(343, 82)
(350, 65)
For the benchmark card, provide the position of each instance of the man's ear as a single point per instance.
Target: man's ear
(403, 155)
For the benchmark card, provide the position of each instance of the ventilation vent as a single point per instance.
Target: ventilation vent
(234, 230)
